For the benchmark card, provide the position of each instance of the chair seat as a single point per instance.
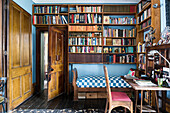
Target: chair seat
(120, 96)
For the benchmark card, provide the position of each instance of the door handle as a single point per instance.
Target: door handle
(49, 77)
(49, 74)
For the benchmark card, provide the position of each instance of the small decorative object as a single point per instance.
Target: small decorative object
(165, 36)
(123, 50)
(149, 37)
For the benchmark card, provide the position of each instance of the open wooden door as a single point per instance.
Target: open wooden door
(19, 56)
(55, 63)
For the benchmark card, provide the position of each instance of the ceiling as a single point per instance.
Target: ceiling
(86, 1)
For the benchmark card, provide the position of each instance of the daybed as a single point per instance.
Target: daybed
(95, 86)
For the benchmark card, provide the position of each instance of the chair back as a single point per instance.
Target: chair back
(109, 96)
(2, 85)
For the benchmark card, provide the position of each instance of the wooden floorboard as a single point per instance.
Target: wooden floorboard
(39, 101)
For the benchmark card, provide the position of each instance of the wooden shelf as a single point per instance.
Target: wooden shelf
(121, 45)
(85, 12)
(149, 5)
(85, 45)
(85, 63)
(141, 53)
(144, 28)
(85, 31)
(119, 37)
(84, 53)
(119, 24)
(50, 24)
(50, 14)
(119, 53)
(146, 108)
(85, 23)
(119, 13)
(141, 63)
(118, 63)
(145, 20)
(84, 37)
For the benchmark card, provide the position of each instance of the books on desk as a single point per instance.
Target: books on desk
(142, 82)
(130, 77)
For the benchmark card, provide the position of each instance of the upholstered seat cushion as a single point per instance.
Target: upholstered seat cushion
(119, 96)
(1, 99)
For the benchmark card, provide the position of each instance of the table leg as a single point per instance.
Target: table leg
(136, 100)
(157, 104)
(141, 101)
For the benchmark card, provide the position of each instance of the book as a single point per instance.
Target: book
(106, 20)
(145, 83)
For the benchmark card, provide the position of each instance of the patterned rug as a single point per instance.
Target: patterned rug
(64, 111)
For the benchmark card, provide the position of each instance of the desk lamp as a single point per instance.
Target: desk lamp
(155, 51)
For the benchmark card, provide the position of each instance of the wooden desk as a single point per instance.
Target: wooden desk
(137, 88)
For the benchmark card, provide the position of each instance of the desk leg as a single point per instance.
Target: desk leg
(141, 101)
(136, 100)
(157, 104)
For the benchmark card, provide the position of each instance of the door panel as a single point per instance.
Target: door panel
(15, 39)
(55, 77)
(19, 56)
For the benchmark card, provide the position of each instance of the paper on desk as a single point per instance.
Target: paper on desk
(145, 83)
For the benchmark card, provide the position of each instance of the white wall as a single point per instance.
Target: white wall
(86, 1)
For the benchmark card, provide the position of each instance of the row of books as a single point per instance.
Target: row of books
(50, 9)
(144, 15)
(141, 47)
(142, 58)
(145, 24)
(110, 32)
(142, 66)
(50, 19)
(123, 8)
(86, 49)
(89, 8)
(85, 18)
(85, 28)
(113, 20)
(85, 41)
(142, 5)
(120, 41)
(120, 59)
(118, 49)
(85, 34)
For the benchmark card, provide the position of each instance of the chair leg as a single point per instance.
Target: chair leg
(106, 105)
(3, 106)
(125, 110)
(131, 107)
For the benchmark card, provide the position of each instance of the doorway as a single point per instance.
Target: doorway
(50, 61)
(44, 60)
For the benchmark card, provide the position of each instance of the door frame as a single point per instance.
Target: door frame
(38, 53)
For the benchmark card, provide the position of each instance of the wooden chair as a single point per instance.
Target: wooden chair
(116, 99)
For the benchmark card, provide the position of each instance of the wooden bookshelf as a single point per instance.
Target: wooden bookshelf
(148, 13)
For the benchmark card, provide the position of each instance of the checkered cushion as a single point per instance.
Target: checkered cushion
(99, 82)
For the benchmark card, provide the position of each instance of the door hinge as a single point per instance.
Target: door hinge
(5, 53)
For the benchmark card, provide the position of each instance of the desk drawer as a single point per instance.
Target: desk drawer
(91, 95)
(101, 95)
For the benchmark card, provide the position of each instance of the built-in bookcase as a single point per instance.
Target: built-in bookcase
(102, 34)
(147, 17)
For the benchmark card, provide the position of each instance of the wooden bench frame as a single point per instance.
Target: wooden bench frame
(91, 90)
